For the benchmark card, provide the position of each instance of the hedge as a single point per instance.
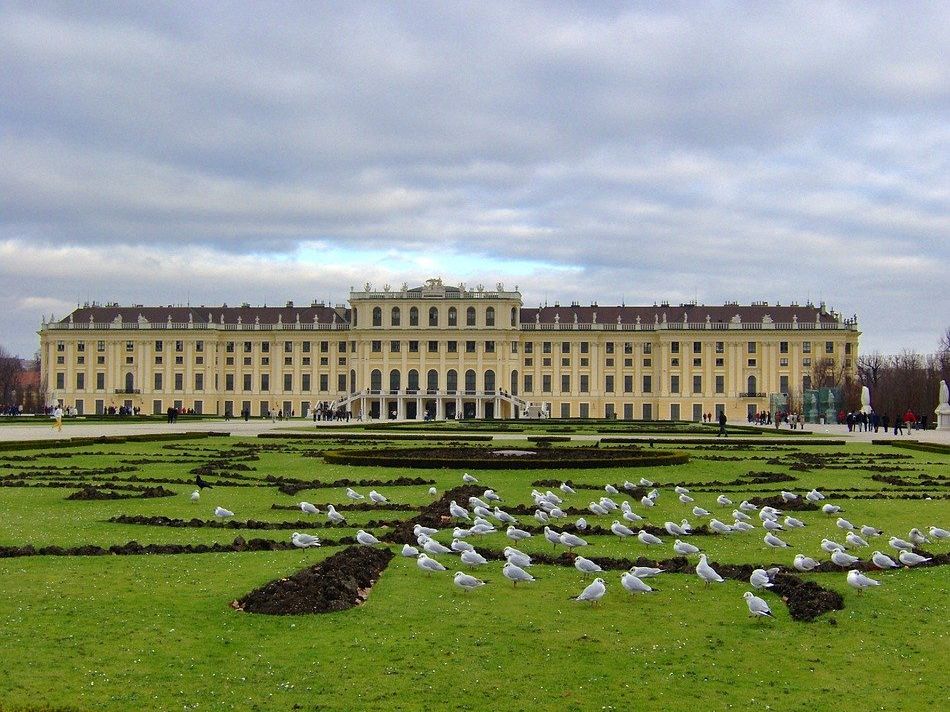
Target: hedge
(937, 448)
(106, 439)
(374, 437)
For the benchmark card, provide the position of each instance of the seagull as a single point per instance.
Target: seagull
(428, 531)
(706, 572)
(610, 489)
(541, 516)
(648, 539)
(772, 526)
(686, 499)
(629, 486)
(466, 582)
(596, 508)
(518, 558)
(645, 571)
(475, 503)
(428, 565)
(774, 541)
(353, 494)
(646, 501)
(581, 523)
(469, 480)
(458, 512)
(515, 574)
(223, 513)
(789, 496)
(674, 529)
(502, 516)
(860, 581)
(742, 526)
(814, 496)
(516, 534)
(377, 497)
(916, 536)
(723, 501)
(586, 566)
(634, 584)
(490, 495)
(737, 514)
(719, 527)
(608, 504)
(938, 533)
(870, 531)
(409, 551)
(830, 508)
(458, 545)
(883, 561)
(843, 558)
(854, 540)
(747, 506)
(571, 540)
(632, 517)
(431, 546)
(433, 491)
(644, 482)
(304, 541)
(896, 543)
(593, 592)
(308, 508)
(566, 488)
(482, 512)
(202, 483)
(552, 536)
(909, 558)
(831, 546)
(842, 523)
(367, 539)
(684, 548)
(473, 558)
(653, 494)
(679, 489)
(757, 607)
(804, 563)
(196, 495)
(793, 523)
(700, 512)
(769, 513)
(334, 516)
(620, 530)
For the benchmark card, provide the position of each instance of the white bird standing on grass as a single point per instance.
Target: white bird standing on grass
(938, 533)
(706, 572)
(830, 508)
(571, 541)
(586, 566)
(466, 582)
(645, 571)
(365, 538)
(196, 495)
(433, 491)
(804, 563)
(409, 551)
(353, 494)
(648, 539)
(428, 565)
(593, 592)
(458, 512)
(566, 488)
(377, 497)
(633, 583)
(334, 516)
(620, 530)
(469, 480)
(760, 579)
(473, 558)
(434, 547)
(883, 561)
(304, 541)
(516, 534)
(758, 608)
(909, 558)
(843, 559)
(308, 508)
(459, 545)
(859, 581)
(854, 540)
(684, 548)
(515, 574)
(223, 513)
(516, 557)
(723, 501)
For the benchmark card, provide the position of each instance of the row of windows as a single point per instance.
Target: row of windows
(433, 382)
(452, 317)
(432, 347)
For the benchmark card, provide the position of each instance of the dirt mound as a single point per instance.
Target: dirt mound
(806, 600)
(797, 505)
(434, 515)
(337, 583)
(90, 492)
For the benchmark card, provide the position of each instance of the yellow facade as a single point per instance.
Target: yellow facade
(442, 352)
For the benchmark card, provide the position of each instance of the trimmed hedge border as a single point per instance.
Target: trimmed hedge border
(374, 437)
(938, 448)
(475, 459)
(713, 441)
(548, 438)
(107, 439)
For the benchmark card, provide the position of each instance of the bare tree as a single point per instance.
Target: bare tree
(10, 369)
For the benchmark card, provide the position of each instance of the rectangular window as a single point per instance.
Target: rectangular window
(628, 384)
(674, 411)
(199, 381)
(247, 382)
(100, 381)
(288, 382)
(565, 383)
(305, 347)
(341, 382)
(288, 347)
(265, 347)
(394, 347)
(697, 347)
(100, 346)
(529, 347)
(528, 383)
(81, 346)
(628, 362)
(229, 347)
(720, 347)
(158, 381)
(179, 381)
(80, 381)
(751, 346)
(751, 362)
(674, 347)
(847, 348)
(199, 347)
(376, 346)
(265, 360)
(648, 411)
(720, 362)
(674, 362)
(647, 349)
(324, 347)
(609, 347)
(566, 362)
(528, 361)
(806, 347)
(265, 382)
(585, 347)
(469, 347)
(608, 384)
(648, 384)
(783, 362)
(565, 410)
(697, 384)
(829, 347)
(546, 383)
(585, 362)
(229, 381)
(585, 384)
(628, 348)
(179, 346)
(489, 347)
(783, 384)
(720, 384)
(413, 347)
(514, 347)
(806, 363)
(452, 347)
(159, 345)
(288, 360)
(565, 347)
(305, 382)
(324, 382)
(674, 384)
(341, 347)
(247, 347)
(82, 359)
(546, 347)
(783, 347)
(546, 362)
(609, 362)
(433, 347)
(585, 410)
(199, 360)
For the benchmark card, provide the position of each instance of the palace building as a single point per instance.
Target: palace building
(443, 352)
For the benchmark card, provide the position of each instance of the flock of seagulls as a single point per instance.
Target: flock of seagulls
(484, 515)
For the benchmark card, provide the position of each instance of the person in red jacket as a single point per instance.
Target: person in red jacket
(909, 420)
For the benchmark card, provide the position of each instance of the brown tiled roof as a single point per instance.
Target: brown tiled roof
(267, 315)
(695, 313)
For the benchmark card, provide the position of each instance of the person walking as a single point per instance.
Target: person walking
(58, 419)
(722, 424)
(898, 424)
(909, 420)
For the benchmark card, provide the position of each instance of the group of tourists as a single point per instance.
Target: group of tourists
(859, 421)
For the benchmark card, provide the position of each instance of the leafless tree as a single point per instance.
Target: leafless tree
(9, 377)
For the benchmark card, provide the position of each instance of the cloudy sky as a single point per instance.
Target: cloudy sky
(178, 152)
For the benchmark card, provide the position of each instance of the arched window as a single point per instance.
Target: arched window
(352, 381)
(514, 317)
(394, 380)
(433, 316)
(453, 316)
(377, 316)
(452, 381)
(432, 380)
(394, 317)
(376, 380)
(414, 316)
(490, 316)
(751, 385)
(514, 382)
(470, 381)
(413, 380)
(470, 316)
(489, 380)
(129, 382)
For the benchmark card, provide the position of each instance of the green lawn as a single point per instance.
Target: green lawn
(157, 633)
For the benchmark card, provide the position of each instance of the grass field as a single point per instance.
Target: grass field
(156, 632)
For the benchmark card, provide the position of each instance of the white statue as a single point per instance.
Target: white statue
(943, 408)
(944, 394)
(865, 399)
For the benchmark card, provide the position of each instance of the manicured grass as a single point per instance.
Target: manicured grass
(157, 633)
